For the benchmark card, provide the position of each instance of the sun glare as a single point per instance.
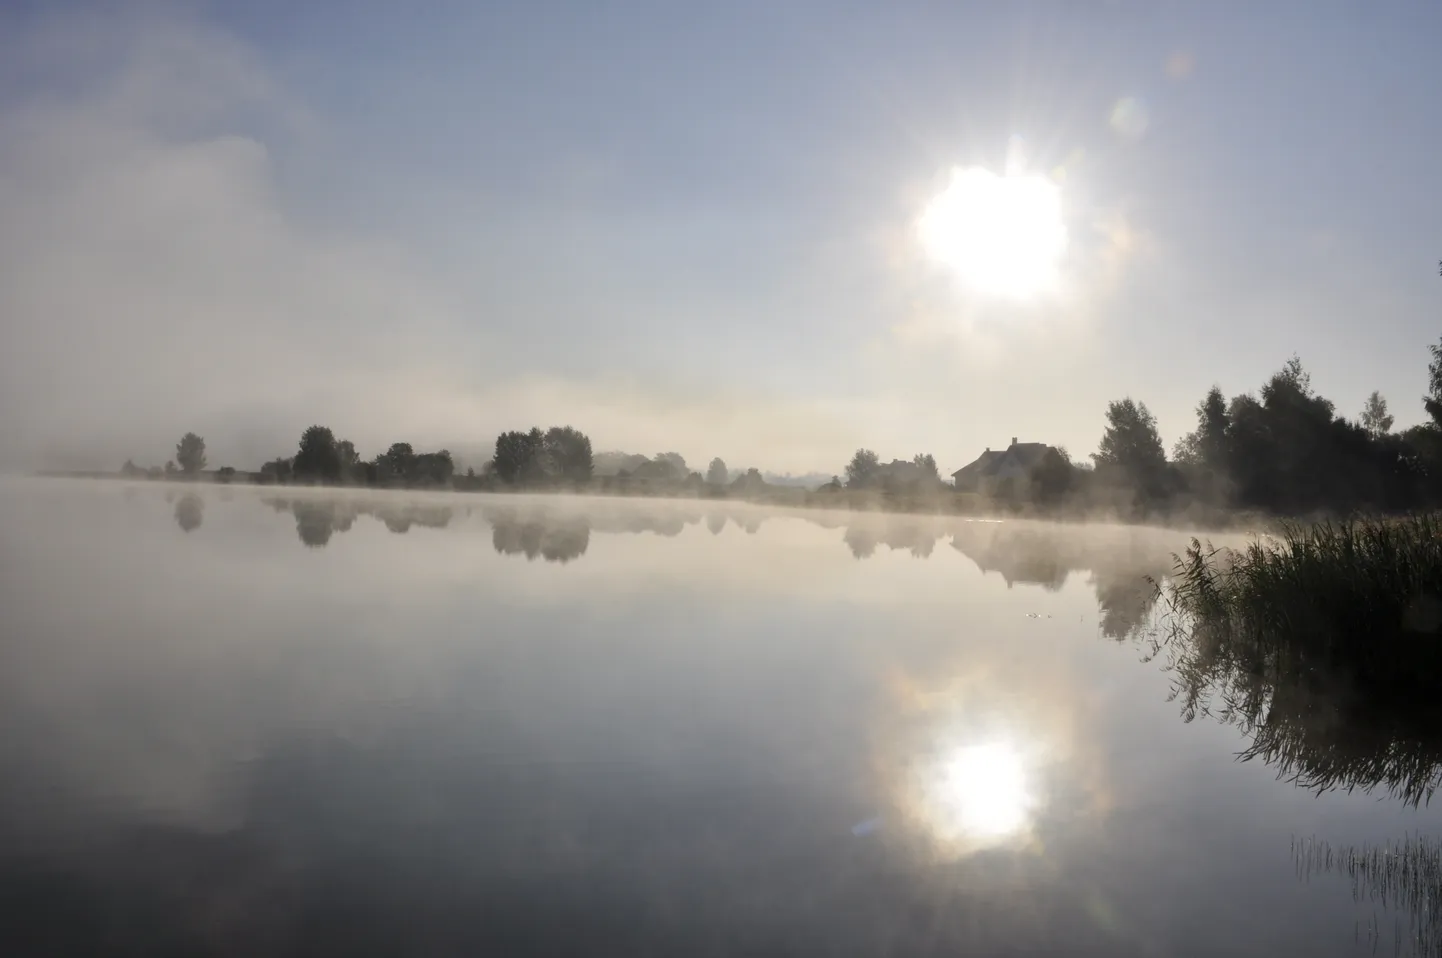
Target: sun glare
(1001, 235)
(980, 793)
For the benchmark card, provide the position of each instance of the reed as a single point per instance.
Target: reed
(1323, 643)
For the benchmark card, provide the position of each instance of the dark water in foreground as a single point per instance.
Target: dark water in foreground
(241, 724)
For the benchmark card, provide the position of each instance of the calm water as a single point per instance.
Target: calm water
(244, 723)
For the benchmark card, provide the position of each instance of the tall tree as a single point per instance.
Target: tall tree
(717, 473)
(434, 468)
(1432, 402)
(863, 469)
(1375, 418)
(1132, 446)
(927, 464)
(517, 456)
(1052, 477)
(568, 454)
(317, 459)
(400, 461)
(1206, 446)
(190, 453)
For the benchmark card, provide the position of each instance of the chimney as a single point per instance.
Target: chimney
(988, 449)
(1013, 440)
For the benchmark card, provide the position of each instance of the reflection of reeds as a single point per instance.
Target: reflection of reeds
(1323, 646)
(1404, 875)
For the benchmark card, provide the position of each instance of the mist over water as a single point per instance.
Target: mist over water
(237, 721)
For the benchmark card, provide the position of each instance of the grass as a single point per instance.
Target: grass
(1323, 644)
(1404, 875)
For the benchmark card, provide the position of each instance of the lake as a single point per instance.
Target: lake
(241, 721)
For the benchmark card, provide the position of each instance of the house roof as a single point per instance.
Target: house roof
(1023, 454)
(979, 467)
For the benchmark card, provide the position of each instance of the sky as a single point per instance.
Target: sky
(699, 227)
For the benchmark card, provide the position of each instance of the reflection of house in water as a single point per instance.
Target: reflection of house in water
(1018, 552)
(1125, 562)
(1121, 559)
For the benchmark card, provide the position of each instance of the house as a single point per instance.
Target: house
(899, 471)
(1014, 462)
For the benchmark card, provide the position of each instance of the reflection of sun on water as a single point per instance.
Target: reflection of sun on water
(979, 795)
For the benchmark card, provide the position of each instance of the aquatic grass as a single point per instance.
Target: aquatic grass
(1405, 875)
(1322, 643)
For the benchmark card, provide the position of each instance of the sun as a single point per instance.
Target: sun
(1003, 236)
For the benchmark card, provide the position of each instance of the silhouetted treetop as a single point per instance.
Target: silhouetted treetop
(190, 453)
(317, 459)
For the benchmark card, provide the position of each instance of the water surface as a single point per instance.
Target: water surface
(247, 721)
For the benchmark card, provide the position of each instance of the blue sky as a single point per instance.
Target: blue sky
(693, 227)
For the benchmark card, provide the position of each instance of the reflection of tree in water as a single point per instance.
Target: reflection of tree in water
(552, 537)
(560, 534)
(1319, 725)
(1125, 601)
(399, 519)
(1404, 875)
(861, 542)
(189, 512)
(1326, 717)
(1124, 561)
(317, 519)
(916, 536)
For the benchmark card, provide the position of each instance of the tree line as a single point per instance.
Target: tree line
(1282, 449)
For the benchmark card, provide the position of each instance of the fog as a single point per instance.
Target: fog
(157, 276)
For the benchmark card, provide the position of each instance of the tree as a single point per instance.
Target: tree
(675, 461)
(927, 464)
(1131, 445)
(716, 473)
(1052, 477)
(399, 461)
(351, 468)
(277, 471)
(433, 468)
(317, 459)
(1432, 402)
(517, 455)
(190, 453)
(1375, 418)
(568, 454)
(862, 470)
